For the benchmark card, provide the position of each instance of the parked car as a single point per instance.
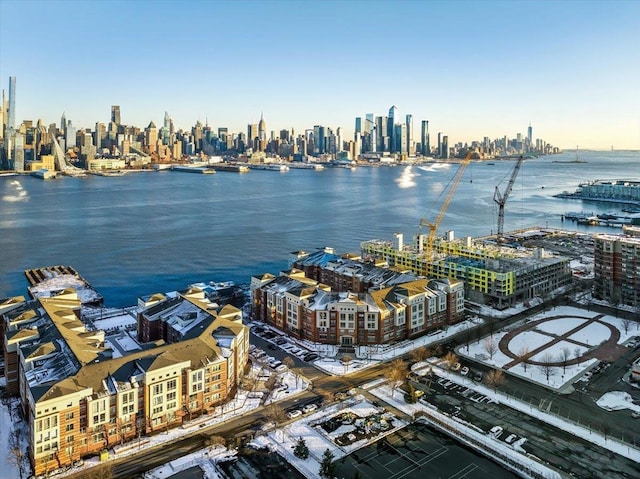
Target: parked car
(273, 347)
(311, 357)
(280, 341)
(281, 368)
(496, 431)
(456, 367)
(267, 425)
(294, 414)
(309, 408)
(511, 438)
(478, 376)
(464, 371)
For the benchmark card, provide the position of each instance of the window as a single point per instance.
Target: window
(68, 416)
(171, 385)
(157, 389)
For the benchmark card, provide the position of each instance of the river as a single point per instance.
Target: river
(159, 231)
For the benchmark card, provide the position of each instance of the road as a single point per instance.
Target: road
(579, 406)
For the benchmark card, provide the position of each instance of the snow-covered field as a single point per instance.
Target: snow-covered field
(545, 333)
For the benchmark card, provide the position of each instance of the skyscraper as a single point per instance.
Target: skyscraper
(262, 128)
(115, 114)
(409, 139)
(3, 115)
(391, 121)
(424, 139)
(358, 124)
(530, 134)
(11, 112)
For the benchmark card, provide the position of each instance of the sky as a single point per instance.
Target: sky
(472, 68)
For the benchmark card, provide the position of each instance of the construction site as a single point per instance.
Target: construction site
(498, 270)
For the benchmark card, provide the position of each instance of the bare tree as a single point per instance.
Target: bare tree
(276, 415)
(450, 358)
(495, 378)
(346, 360)
(420, 354)
(546, 365)
(288, 362)
(523, 356)
(577, 352)
(395, 373)
(565, 355)
(490, 346)
(626, 324)
(16, 451)
(104, 470)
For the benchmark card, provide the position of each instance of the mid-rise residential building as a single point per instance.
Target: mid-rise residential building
(616, 269)
(307, 309)
(81, 394)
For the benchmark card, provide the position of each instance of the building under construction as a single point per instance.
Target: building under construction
(493, 274)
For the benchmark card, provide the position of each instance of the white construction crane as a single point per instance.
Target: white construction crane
(501, 199)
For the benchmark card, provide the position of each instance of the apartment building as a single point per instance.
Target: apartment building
(306, 309)
(80, 395)
(617, 268)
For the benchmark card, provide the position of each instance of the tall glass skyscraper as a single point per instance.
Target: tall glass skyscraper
(11, 114)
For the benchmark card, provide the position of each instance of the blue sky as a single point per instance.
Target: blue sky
(472, 68)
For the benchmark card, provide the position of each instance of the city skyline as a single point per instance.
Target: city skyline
(470, 69)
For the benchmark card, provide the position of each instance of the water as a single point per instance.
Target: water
(159, 231)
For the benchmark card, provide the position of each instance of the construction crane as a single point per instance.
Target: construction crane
(428, 247)
(501, 199)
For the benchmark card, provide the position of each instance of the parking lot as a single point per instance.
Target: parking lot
(418, 452)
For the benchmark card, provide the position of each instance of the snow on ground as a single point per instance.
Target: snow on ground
(241, 404)
(557, 377)
(560, 327)
(616, 400)
(7, 469)
(624, 449)
(283, 440)
(109, 319)
(205, 459)
(367, 356)
(529, 340)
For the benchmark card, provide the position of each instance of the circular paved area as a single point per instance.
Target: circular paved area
(607, 350)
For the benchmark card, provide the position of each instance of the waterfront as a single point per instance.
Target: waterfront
(142, 233)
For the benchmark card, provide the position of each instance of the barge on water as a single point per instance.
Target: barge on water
(194, 169)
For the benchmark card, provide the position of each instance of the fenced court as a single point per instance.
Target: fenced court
(418, 452)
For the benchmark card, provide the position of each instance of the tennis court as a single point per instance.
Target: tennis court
(419, 452)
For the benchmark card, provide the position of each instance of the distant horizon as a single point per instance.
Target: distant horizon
(472, 69)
